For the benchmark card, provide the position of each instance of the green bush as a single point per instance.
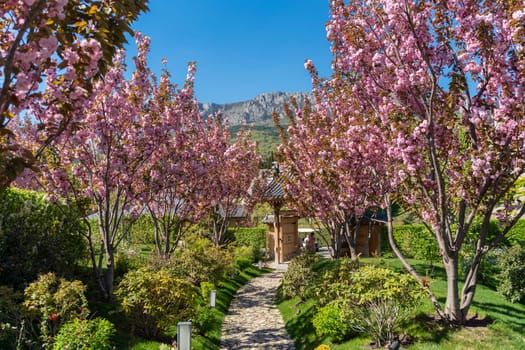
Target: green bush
(85, 334)
(331, 320)
(299, 279)
(415, 241)
(378, 301)
(254, 237)
(201, 262)
(488, 268)
(36, 236)
(512, 275)
(10, 316)
(516, 235)
(155, 300)
(51, 301)
(203, 318)
(336, 280)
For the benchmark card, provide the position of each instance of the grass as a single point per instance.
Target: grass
(506, 328)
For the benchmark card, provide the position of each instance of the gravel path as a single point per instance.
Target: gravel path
(253, 320)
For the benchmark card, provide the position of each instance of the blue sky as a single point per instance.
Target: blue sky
(242, 47)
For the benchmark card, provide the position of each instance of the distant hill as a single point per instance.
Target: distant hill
(256, 111)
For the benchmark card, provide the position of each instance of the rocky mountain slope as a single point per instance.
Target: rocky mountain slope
(256, 111)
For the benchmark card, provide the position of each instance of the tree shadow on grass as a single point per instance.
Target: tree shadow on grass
(512, 316)
(301, 325)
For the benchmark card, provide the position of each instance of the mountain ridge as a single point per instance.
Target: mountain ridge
(255, 111)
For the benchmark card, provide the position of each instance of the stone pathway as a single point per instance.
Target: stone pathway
(253, 320)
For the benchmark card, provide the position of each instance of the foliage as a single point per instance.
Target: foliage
(419, 77)
(516, 235)
(10, 316)
(488, 268)
(333, 321)
(335, 281)
(51, 54)
(298, 279)
(153, 301)
(53, 301)
(378, 301)
(415, 241)
(323, 347)
(252, 237)
(511, 277)
(36, 236)
(203, 318)
(85, 334)
(201, 262)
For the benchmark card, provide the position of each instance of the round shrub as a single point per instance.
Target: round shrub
(330, 320)
(299, 279)
(154, 301)
(51, 301)
(512, 264)
(85, 334)
(201, 262)
(37, 236)
(378, 301)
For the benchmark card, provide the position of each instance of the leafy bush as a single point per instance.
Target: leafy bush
(512, 275)
(516, 235)
(299, 278)
(333, 321)
(201, 262)
(254, 237)
(416, 242)
(154, 301)
(378, 302)
(488, 268)
(10, 316)
(336, 280)
(53, 301)
(85, 334)
(36, 236)
(203, 318)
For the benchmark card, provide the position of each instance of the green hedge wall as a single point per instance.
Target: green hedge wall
(36, 236)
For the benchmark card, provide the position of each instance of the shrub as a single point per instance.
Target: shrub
(379, 300)
(331, 320)
(10, 317)
(516, 235)
(36, 236)
(488, 268)
(512, 264)
(415, 241)
(299, 278)
(154, 301)
(53, 301)
(201, 262)
(85, 334)
(323, 347)
(336, 280)
(203, 318)
(254, 237)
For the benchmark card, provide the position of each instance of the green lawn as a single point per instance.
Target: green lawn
(505, 331)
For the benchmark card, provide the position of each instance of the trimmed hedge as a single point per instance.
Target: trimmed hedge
(254, 237)
(36, 236)
(415, 241)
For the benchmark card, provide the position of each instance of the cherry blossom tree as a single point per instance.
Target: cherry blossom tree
(102, 158)
(173, 180)
(444, 83)
(231, 168)
(332, 165)
(50, 51)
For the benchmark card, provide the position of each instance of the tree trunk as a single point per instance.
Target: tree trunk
(110, 271)
(452, 307)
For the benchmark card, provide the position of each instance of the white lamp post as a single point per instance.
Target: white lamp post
(213, 296)
(184, 336)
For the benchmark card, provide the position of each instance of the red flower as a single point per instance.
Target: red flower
(53, 317)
